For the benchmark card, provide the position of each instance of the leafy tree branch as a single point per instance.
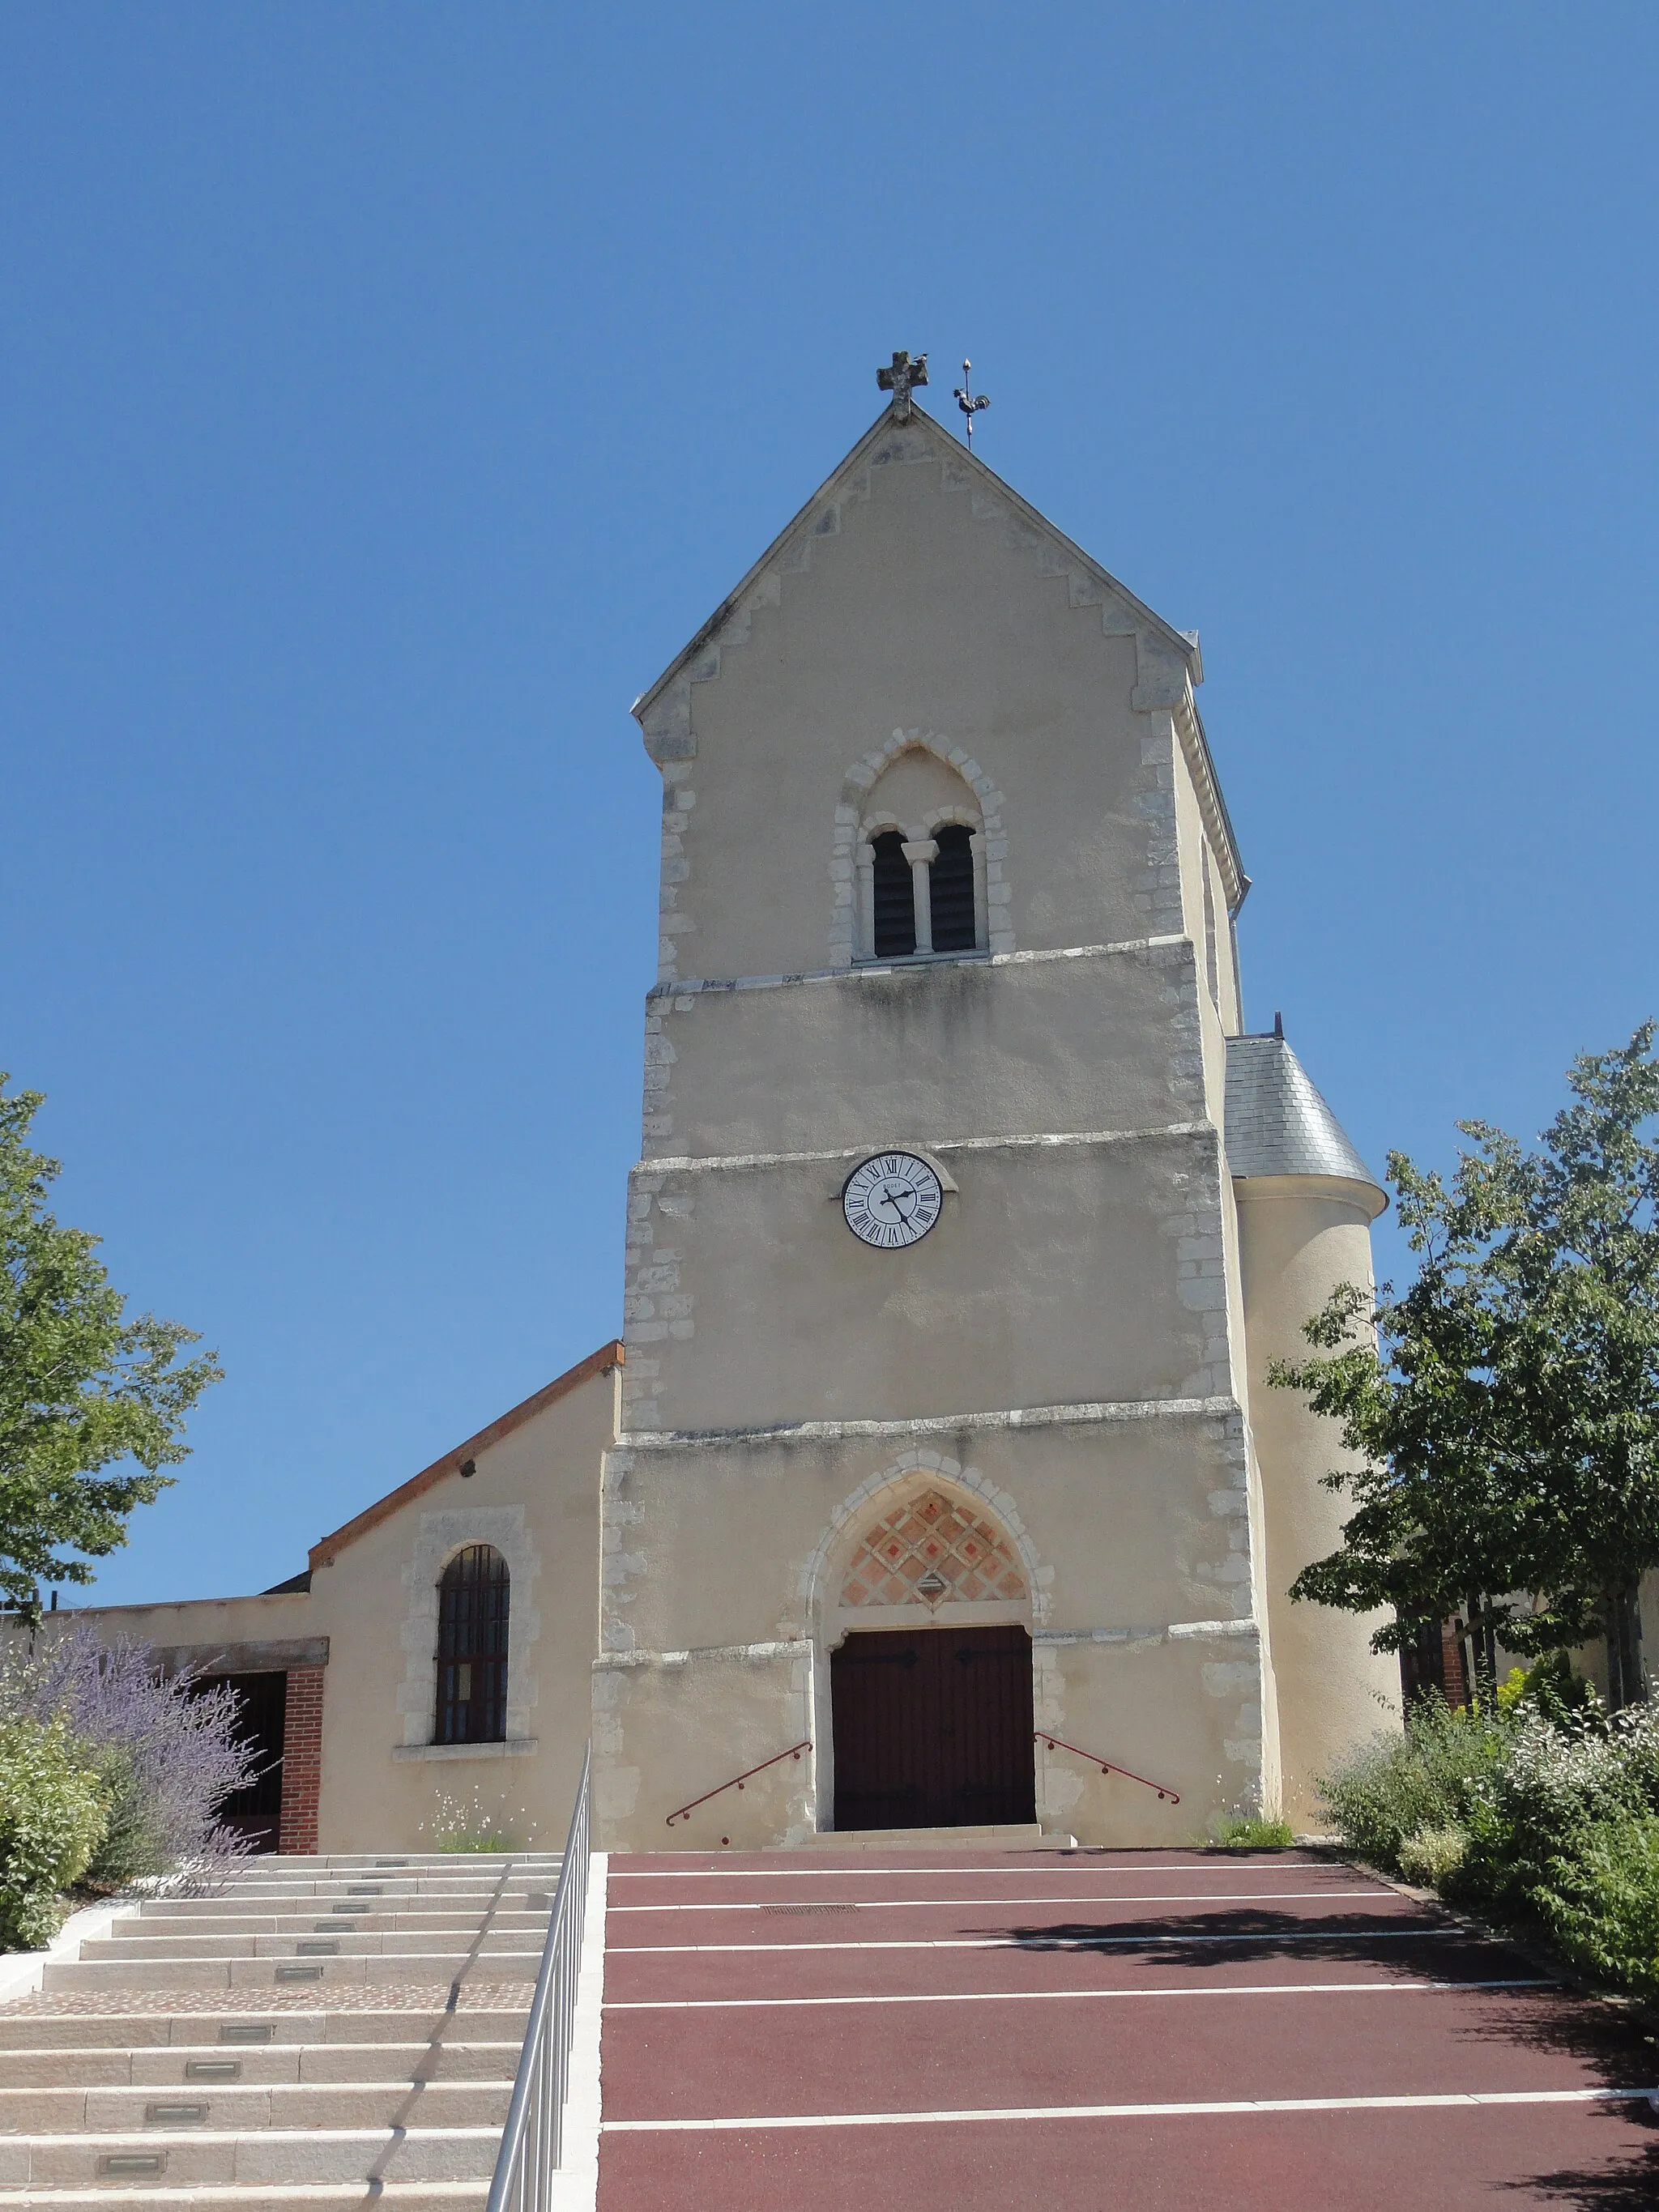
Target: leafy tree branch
(1505, 1409)
(92, 1404)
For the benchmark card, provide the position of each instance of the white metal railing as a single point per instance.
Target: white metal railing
(532, 2141)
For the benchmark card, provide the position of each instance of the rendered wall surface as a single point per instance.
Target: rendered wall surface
(1301, 1237)
(1132, 1531)
(1063, 1347)
(535, 1496)
(203, 1626)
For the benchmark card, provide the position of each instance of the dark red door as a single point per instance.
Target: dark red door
(932, 1728)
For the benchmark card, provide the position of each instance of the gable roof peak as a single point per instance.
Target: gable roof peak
(932, 439)
(905, 432)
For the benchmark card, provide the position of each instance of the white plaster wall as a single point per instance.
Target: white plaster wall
(1132, 1522)
(1301, 1237)
(535, 1497)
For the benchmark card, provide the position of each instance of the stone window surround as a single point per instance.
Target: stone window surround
(852, 932)
(441, 1535)
(513, 1746)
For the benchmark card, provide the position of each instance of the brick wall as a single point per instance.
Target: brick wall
(302, 1758)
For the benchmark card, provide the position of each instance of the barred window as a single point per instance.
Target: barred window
(473, 1611)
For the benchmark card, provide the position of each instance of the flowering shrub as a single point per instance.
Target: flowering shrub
(167, 1752)
(1436, 1775)
(52, 1818)
(1556, 1781)
(1549, 1811)
(460, 1824)
(1433, 1856)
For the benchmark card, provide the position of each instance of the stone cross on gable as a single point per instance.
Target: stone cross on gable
(901, 378)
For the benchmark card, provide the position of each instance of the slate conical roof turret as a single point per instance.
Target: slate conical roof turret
(1278, 1124)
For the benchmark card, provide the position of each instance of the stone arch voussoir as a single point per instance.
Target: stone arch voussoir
(918, 1468)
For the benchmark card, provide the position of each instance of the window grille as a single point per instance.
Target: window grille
(952, 887)
(473, 1610)
(896, 901)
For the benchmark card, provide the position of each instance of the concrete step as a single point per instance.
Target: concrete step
(210, 1911)
(300, 1912)
(297, 1866)
(113, 2093)
(334, 1969)
(227, 2158)
(154, 2030)
(237, 2106)
(464, 1876)
(467, 2196)
(147, 1928)
(462, 1896)
(214, 2065)
(347, 1940)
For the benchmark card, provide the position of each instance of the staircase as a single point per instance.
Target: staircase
(322, 2033)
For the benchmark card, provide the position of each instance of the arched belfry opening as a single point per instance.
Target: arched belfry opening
(930, 1675)
(921, 863)
(893, 901)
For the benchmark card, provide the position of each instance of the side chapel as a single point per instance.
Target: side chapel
(935, 1475)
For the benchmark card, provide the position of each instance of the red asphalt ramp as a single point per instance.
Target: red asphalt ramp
(943, 2032)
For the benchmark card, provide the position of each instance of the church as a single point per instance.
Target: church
(934, 1484)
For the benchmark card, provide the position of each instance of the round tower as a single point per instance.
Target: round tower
(1306, 1201)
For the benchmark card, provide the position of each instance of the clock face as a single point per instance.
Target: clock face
(893, 1198)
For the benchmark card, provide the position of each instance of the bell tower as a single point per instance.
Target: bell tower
(934, 1489)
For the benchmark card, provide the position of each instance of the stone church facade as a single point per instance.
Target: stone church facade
(935, 1477)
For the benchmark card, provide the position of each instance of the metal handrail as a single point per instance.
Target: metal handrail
(685, 1812)
(1106, 1765)
(532, 2141)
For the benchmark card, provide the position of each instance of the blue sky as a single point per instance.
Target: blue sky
(388, 391)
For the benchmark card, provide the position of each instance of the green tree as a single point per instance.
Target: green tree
(81, 1388)
(1504, 1410)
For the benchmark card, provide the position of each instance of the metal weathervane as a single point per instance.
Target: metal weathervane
(969, 404)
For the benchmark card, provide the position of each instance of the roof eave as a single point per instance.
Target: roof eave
(324, 1554)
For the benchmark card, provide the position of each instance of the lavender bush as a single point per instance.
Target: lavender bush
(167, 1752)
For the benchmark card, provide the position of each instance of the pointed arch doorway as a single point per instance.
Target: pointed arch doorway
(932, 1728)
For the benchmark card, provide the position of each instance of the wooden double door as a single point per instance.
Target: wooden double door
(932, 1728)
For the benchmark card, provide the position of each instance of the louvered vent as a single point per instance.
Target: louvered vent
(896, 905)
(953, 891)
